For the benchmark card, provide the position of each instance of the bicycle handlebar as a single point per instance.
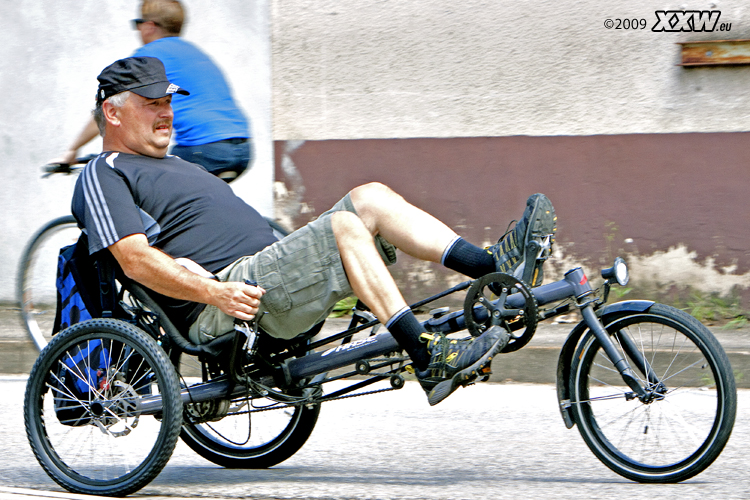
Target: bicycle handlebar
(66, 168)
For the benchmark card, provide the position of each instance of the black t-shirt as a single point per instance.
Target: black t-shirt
(182, 209)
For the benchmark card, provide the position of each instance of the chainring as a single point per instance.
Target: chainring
(481, 310)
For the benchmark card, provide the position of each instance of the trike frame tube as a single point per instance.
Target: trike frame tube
(383, 343)
(545, 294)
(574, 284)
(342, 355)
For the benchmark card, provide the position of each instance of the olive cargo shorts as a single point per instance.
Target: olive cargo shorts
(302, 275)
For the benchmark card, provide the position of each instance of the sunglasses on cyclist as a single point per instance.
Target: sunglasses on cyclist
(138, 22)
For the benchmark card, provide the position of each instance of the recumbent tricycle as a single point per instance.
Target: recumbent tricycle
(649, 387)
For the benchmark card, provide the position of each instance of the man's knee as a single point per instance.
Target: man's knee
(373, 191)
(372, 199)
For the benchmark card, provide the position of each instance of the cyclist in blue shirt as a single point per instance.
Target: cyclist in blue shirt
(209, 128)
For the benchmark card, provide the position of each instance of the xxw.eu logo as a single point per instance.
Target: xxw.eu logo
(689, 20)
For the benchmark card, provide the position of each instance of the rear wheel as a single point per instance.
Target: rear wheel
(683, 428)
(35, 288)
(83, 408)
(249, 433)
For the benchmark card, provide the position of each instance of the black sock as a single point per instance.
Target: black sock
(406, 329)
(468, 259)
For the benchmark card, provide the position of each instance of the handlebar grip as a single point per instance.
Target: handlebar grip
(239, 321)
(56, 168)
(66, 168)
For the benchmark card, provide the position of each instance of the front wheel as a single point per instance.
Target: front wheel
(683, 427)
(83, 408)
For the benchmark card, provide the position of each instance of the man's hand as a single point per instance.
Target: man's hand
(238, 299)
(161, 273)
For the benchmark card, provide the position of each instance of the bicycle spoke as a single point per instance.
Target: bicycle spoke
(674, 424)
(87, 414)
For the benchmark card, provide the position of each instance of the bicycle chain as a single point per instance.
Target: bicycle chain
(313, 402)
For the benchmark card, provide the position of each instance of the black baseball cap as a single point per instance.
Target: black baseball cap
(144, 76)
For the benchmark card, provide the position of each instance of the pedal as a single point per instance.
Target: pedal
(537, 252)
(485, 373)
(468, 374)
(533, 248)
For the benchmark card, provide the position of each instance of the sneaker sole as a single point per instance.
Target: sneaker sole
(543, 219)
(542, 223)
(467, 375)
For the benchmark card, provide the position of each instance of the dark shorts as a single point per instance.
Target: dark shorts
(302, 275)
(225, 158)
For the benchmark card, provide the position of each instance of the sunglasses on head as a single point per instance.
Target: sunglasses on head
(138, 22)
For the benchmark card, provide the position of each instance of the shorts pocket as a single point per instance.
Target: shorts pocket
(266, 273)
(308, 288)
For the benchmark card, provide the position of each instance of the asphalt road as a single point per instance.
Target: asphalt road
(486, 441)
(493, 440)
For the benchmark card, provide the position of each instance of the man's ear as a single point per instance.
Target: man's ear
(151, 32)
(111, 113)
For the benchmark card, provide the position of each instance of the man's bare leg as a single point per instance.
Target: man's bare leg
(410, 229)
(368, 275)
(373, 284)
(421, 235)
(448, 364)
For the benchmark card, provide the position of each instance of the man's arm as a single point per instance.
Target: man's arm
(89, 132)
(162, 274)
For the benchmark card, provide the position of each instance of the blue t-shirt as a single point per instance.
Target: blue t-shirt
(209, 113)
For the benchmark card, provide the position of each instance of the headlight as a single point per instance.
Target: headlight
(619, 272)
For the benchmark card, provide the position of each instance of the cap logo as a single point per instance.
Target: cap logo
(172, 88)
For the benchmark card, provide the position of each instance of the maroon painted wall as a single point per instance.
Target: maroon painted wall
(660, 190)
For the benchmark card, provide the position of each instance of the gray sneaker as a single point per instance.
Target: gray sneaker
(538, 222)
(457, 363)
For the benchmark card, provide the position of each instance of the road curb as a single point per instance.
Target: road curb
(536, 363)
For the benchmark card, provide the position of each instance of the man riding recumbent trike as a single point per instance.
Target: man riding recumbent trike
(219, 346)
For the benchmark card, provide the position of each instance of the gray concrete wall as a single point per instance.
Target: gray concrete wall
(50, 54)
(478, 68)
